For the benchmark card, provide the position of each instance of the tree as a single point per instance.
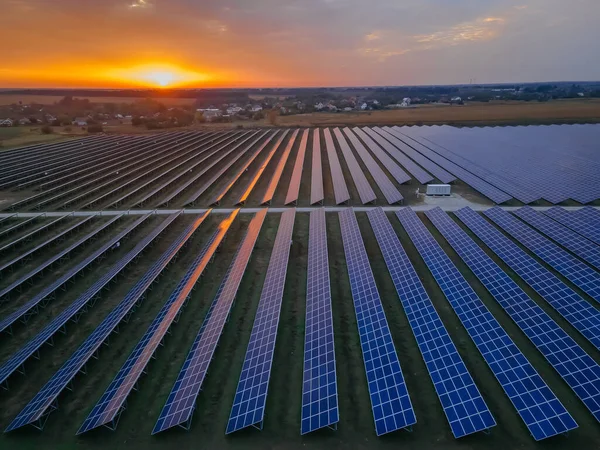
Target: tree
(273, 117)
(137, 121)
(96, 128)
(33, 120)
(46, 129)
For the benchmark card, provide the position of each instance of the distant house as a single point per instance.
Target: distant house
(233, 110)
(405, 102)
(364, 106)
(347, 108)
(319, 106)
(24, 121)
(80, 122)
(457, 100)
(256, 108)
(210, 113)
(6, 123)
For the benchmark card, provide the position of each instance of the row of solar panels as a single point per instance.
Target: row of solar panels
(460, 398)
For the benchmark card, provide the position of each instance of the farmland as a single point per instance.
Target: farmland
(160, 187)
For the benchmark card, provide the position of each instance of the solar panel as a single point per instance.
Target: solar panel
(114, 400)
(591, 214)
(45, 401)
(270, 192)
(422, 176)
(340, 189)
(579, 313)
(261, 169)
(27, 237)
(79, 305)
(569, 239)
(445, 366)
(581, 226)
(433, 168)
(390, 401)
(580, 274)
(251, 394)
(540, 410)
(16, 226)
(365, 192)
(559, 349)
(294, 187)
(319, 383)
(391, 194)
(316, 183)
(233, 179)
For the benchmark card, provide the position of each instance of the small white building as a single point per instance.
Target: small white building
(406, 102)
(256, 108)
(319, 106)
(6, 123)
(364, 106)
(439, 190)
(80, 122)
(210, 113)
(233, 110)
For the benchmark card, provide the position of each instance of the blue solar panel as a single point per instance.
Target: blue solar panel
(181, 402)
(392, 408)
(561, 234)
(571, 362)
(575, 223)
(44, 402)
(337, 176)
(365, 192)
(578, 273)
(579, 313)
(114, 400)
(251, 394)
(451, 379)
(591, 214)
(78, 306)
(542, 412)
(319, 385)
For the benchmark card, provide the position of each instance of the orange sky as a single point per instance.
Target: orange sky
(264, 43)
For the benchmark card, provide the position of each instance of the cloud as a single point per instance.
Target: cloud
(140, 4)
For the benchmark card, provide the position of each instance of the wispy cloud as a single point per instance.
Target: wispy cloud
(140, 4)
(479, 30)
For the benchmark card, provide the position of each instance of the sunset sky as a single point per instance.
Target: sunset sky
(271, 43)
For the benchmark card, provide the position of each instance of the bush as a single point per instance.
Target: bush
(46, 129)
(67, 129)
(95, 128)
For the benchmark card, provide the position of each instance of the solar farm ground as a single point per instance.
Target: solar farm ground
(282, 420)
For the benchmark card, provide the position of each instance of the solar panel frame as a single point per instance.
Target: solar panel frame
(572, 363)
(28, 236)
(113, 402)
(319, 381)
(270, 192)
(390, 401)
(317, 194)
(365, 192)
(439, 353)
(541, 411)
(249, 403)
(340, 189)
(294, 186)
(574, 309)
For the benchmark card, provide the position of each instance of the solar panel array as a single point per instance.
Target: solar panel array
(251, 394)
(108, 409)
(365, 192)
(569, 239)
(572, 363)
(294, 188)
(28, 236)
(37, 410)
(570, 220)
(319, 383)
(390, 401)
(270, 192)
(445, 366)
(316, 183)
(575, 310)
(540, 410)
(591, 214)
(580, 274)
(180, 405)
(340, 189)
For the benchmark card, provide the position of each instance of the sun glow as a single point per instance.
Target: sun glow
(161, 76)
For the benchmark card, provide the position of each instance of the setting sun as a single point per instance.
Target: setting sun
(162, 76)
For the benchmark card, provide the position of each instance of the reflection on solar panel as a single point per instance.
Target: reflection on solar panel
(365, 192)
(581, 226)
(578, 312)
(439, 353)
(217, 199)
(437, 171)
(580, 274)
(561, 234)
(261, 169)
(559, 349)
(391, 194)
(79, 305)
(591, 214)
(537, 405)
(114, 400)
(270, 192)
(30, 307)
(316, 183)
(416, 171)
(251, 394)
(319, 385)
(340, 189)
(45, 401)
(392, 408)
(181, 403)
(294, 189)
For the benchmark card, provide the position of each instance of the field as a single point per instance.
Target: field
(9, 99)
(145, 166)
